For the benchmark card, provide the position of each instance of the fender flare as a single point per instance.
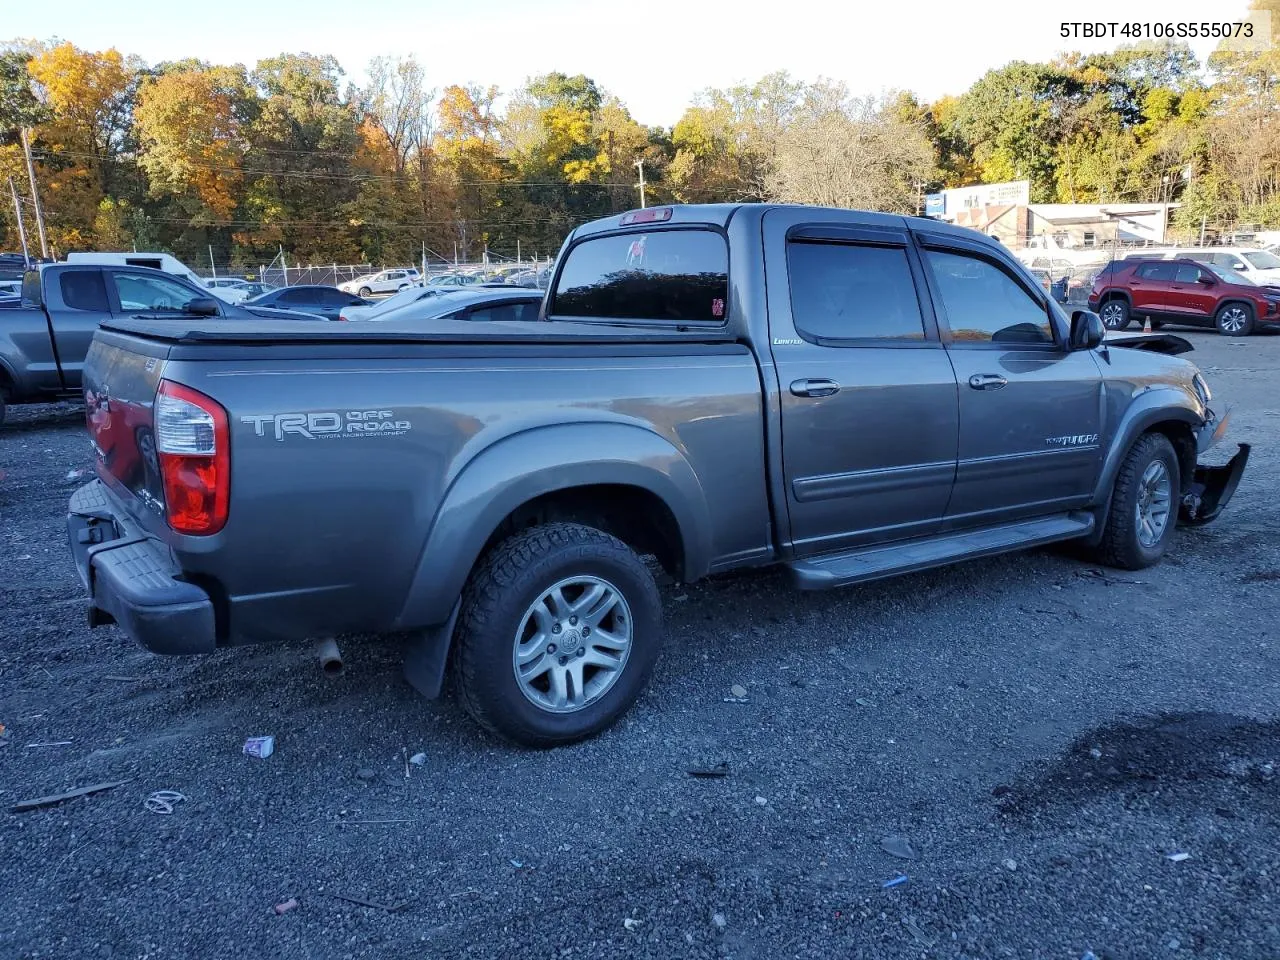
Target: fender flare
(526, 465)
(1144, 412)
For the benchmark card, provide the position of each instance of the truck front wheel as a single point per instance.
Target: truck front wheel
(1144, 505)
(559, 633)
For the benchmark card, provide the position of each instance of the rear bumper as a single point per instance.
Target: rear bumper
(132, 580)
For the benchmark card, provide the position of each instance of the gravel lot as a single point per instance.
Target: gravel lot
(1043, 733)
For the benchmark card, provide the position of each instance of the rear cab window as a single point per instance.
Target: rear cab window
(850, 291)
(678, 275)
(84, 290)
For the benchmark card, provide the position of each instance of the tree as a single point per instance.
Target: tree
(189, 124)
(397, 103)
(849, 152)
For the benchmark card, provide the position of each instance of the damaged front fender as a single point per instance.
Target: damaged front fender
(1211, 488)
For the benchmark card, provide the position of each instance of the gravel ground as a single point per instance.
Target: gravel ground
(1042, 733)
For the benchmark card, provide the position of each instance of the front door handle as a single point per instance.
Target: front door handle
(987, 381)
(814, 388)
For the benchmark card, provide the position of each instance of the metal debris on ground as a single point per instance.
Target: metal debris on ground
(895, 881)
(49, 743)
(1178, 857)
(418, 759)
(899, 847)
(261, 747)
(517, 864)
(75, 475)
(721, 769)
(739, 691)
(285, 907)
(57, 798)
(631, 924)
(162, 801)
(864, 702)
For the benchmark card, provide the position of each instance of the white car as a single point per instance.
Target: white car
(394, 302)
(388, 281)
(1259, 266)
(230, 289)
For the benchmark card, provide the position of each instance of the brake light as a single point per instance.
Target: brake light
(649, 215)
(194, 447)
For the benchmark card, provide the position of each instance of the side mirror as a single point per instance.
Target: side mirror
(1207, 280)
(1086, 330)
(202, 307)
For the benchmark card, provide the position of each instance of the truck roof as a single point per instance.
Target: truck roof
(719, 215)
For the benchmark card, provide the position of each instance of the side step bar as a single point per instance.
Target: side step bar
(874, 563)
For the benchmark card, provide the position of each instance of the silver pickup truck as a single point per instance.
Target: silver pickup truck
(850, 395)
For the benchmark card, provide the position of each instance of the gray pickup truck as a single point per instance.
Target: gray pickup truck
(850, 395)
(44, 340)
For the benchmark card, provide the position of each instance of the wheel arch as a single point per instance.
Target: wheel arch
(628, 481)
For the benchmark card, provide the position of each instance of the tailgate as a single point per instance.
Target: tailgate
(121, 376)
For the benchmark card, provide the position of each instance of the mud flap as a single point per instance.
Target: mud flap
(427, 654)
(1211, 489)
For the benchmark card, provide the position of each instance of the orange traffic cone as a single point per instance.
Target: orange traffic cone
(1146, 327)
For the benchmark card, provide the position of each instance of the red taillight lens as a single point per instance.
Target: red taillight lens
(194, 447)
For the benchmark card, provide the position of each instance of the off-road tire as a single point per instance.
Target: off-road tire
(501, 589)
(1120, 546)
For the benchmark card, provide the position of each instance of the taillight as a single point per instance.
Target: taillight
(194, 447)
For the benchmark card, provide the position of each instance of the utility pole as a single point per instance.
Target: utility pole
(22, 230)
(1203, 220)
(640, 167)
(35, 194)
(212, 266)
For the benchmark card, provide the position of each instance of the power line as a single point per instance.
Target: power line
(353, 177)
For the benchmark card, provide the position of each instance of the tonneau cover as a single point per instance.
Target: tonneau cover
(183, 329)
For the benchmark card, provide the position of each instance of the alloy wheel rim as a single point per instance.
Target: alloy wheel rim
(1155, 501)
(1233, 320)
(572, 644)
(1111, 314)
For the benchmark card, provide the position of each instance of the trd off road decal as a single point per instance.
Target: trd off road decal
(325, 426)
(1074, 440)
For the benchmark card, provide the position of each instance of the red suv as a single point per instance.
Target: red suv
(1183, 291)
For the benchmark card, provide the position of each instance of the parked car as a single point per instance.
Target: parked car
(376, 308)
(454, 279)
(387, 281)
(901, 395)
(322, 301)
(1183, 291)
(230, 289)
(480, 302)
(12, 288)
(1255, 265)
(46, 334)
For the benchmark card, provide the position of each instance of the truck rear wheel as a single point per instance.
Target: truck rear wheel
(559, 633)
(1144, 505)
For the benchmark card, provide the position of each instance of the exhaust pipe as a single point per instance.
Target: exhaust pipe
(330, 657)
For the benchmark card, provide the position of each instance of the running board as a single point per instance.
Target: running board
(873, 563)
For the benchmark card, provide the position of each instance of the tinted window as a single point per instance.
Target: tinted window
(985, 304)
(1186, 273)
(151, 293)
(672, 275)
(1156, 271)
(1263, 260)
(844, 291)
(509, 312)
(84, 290)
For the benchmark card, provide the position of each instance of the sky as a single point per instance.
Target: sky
(655, 55)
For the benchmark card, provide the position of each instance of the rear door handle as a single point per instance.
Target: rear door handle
(814, 388)
(987, 381)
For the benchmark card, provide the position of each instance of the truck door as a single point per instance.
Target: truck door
(76, 301)
(1030, 409)
(868, 396)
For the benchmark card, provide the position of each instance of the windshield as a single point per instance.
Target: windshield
(1263, 260)
(1227, 274)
